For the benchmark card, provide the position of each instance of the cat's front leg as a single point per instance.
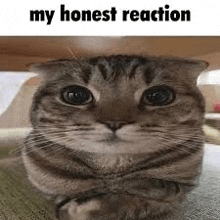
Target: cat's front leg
(117, 207)
(91, 210)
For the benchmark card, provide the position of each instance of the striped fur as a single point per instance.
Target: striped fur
(116, 158)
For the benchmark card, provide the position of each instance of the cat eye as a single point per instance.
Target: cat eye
(76, 95)
(158, 96)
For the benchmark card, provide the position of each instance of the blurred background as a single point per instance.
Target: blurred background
(17, 85)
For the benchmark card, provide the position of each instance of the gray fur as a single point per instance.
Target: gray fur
(117, 157)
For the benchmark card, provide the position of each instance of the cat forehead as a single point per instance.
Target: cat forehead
(113, 68)
(121, 69)
(109, 69)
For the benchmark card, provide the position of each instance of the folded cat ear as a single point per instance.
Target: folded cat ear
(189, 69)
(51, 69)
(193, 68)
(44, 69)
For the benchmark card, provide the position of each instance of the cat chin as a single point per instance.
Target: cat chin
(115, 147)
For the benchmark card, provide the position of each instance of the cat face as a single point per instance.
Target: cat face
(119, 104)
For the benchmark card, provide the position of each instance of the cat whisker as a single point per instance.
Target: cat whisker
(184, 147)
(45, 146)
(71, 52)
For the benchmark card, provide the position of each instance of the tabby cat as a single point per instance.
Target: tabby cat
(116, 137)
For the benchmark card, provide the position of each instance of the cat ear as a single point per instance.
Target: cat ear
(193, 68)
(51, 69)
(45, 70)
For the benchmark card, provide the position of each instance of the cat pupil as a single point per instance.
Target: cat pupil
(77, 95)
(159, 96)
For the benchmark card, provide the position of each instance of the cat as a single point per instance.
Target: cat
(116, 137)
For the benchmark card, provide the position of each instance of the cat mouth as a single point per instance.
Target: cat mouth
(112, 138)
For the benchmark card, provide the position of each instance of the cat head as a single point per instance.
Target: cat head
(118, 104)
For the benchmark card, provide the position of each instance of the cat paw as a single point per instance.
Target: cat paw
(87, 211)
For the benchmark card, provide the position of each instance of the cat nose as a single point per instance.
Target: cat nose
(115, 125)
